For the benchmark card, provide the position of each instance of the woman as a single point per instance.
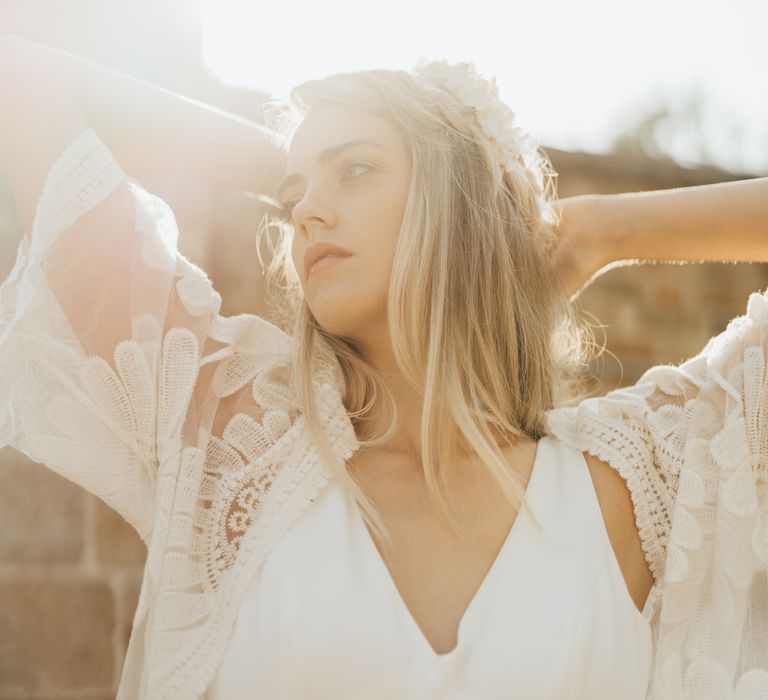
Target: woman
(333, 512)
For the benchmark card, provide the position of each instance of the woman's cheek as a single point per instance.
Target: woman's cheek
(378, 289)
(356, 298)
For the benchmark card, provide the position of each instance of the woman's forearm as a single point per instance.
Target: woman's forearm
(154, 130)
(723, 222)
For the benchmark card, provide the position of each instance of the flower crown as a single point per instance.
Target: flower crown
(514, 148)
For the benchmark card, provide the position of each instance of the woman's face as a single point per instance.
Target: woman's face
(353, 196)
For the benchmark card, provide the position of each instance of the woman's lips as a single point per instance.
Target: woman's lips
(327, 261)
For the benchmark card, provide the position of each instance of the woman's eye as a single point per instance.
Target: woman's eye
(285, 212)
(352, 166)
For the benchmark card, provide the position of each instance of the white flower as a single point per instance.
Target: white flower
(497, 122)
(513, 145)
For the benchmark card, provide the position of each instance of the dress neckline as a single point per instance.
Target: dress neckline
(476, 599)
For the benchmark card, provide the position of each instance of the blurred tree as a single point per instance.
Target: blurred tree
(685, 130)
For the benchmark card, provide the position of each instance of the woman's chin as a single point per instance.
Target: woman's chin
(342, 309)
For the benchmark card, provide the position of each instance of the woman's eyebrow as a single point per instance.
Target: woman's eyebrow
(328, 154)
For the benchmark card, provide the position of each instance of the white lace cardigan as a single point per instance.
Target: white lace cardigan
(118, 372)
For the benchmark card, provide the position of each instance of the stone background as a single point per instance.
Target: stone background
(70, 567)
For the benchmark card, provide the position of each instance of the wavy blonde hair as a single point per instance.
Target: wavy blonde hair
(477, 325)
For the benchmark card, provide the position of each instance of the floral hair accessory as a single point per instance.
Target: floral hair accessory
(513, 145)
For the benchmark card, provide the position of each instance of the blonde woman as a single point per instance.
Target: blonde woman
(404, 493)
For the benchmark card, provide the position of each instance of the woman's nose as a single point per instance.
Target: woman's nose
(312, 211)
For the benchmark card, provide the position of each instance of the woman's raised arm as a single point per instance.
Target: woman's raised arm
(112, 347)
(722, 222)
(49, 95)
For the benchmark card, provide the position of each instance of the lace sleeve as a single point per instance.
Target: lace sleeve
(102, 328)
(640, 431)
(679, 413)
(691, 441)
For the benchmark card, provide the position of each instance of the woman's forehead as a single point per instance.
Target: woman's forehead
(325, 126)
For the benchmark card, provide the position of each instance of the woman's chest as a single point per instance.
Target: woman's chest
(438, 569)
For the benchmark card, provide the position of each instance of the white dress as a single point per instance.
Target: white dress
(552, 620)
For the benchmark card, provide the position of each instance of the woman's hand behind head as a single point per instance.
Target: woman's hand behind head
(581, 251)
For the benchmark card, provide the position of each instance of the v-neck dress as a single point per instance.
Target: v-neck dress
(552, 620)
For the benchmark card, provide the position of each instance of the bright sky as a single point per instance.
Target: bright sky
(573, 72)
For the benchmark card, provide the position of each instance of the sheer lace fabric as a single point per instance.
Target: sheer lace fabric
(119, 373)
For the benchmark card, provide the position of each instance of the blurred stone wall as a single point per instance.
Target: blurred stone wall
(70, 567)
(653, 313)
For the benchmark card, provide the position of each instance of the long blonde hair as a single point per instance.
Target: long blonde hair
(477, 325)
